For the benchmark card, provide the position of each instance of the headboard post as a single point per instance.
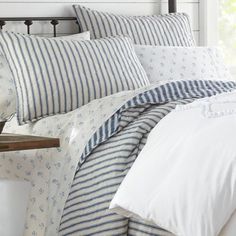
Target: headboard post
(2, 23)
(28, 23)
(172, 4)
(54, 23)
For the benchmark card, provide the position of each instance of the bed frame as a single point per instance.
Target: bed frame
(28, 21)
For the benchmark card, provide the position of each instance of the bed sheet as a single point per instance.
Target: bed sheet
(51, 171)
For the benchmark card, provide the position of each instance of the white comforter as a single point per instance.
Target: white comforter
(184, 180)
(51, 171)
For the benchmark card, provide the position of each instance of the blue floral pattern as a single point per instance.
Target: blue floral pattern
(178, 63)
(51, 171)
(7, 91)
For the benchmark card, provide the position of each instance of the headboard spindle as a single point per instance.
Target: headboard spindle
(54, 23)
(2, 23)
(172, 6)
(28, 23)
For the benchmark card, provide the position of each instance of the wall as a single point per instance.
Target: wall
(27, 8)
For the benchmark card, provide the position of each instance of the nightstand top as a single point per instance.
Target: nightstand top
(17, 142)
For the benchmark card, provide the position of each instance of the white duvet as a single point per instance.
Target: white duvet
(51, 171)
(184, 180)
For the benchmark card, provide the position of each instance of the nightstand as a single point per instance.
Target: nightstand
(17, 142)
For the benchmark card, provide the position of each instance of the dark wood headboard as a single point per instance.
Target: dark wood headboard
(28, 21)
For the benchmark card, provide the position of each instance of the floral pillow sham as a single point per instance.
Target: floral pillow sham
(182, 63)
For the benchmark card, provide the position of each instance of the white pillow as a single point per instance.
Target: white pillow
(184, 180)
(76, 37)
(7, 89)
(177, 63)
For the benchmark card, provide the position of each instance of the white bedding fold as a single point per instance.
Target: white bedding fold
(184, 180)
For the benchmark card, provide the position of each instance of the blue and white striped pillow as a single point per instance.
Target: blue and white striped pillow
(7, 88)
(57, 76)
(163, 30)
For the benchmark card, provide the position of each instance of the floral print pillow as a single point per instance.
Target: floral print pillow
(182, 63)
(7, 91)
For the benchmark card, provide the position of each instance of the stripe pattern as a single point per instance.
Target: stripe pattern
(165, 30)
(58, 76)
(111, 152)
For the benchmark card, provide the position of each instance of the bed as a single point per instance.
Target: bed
(103, 132)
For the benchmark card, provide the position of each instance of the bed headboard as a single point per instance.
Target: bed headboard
(28, 21)
(54, 21)
(172, 5)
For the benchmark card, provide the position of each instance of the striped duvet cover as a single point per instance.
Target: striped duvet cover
(111, 152)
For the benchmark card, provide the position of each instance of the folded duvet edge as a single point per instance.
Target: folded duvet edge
(124, 211)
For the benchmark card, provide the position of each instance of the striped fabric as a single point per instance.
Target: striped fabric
(57, 76)
(111, 152)
(165, 30)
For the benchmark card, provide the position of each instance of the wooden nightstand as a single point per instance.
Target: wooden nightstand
(15, 142)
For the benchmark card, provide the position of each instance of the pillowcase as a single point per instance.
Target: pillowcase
(7, 89)
(166, 30)
(76, 37)
(178, 63)
(58, 76)
(184, 179)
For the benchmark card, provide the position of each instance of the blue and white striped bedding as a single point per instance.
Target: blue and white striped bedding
(112, 150)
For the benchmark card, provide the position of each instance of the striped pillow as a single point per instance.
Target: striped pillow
(164, 30)
(57, 76)
(7, 88)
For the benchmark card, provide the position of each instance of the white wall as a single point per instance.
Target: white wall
(40, 8)
(209, 10)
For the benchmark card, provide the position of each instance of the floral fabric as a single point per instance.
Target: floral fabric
(182, 63)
